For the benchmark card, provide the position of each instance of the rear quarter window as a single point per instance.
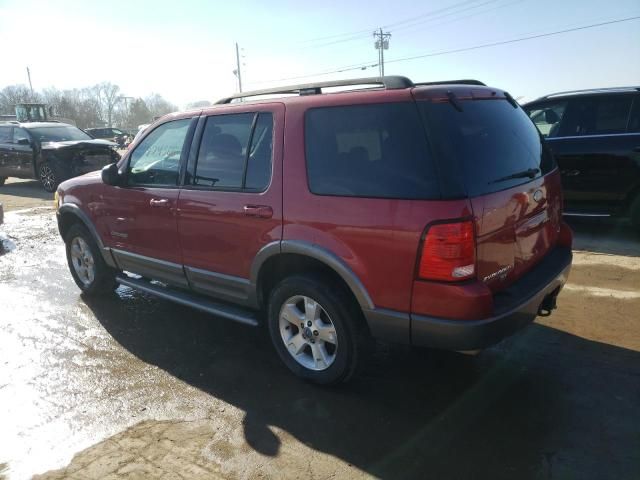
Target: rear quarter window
(485, 142)
(375, 151)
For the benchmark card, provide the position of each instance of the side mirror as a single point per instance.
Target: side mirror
(111, 174)
(24, 141)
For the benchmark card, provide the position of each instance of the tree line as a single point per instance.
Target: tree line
(99, 105)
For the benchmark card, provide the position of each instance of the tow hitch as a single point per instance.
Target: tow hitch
(548, 304)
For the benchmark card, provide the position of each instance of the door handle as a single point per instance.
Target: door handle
(262, 211)
(159, 202)
(570, 173)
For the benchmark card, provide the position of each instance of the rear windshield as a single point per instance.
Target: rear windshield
(58, 133)
(375, 150)
(488, 141)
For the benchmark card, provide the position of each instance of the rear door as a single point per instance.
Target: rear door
(230, 205)
(8, 165)
(509, 176)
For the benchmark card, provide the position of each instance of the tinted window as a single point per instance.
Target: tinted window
(634, 119)
(156, 160)
(487, 141)
(222, 151)
(225, 159)
(597, 115)
(5, 134)
(259, 162)
(547, 116)
(60, 133)
(369, 151)
(19, 134)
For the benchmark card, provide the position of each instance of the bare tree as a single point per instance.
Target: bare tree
(198, 104)
(13, 94)
(158, 106)
(108, 96)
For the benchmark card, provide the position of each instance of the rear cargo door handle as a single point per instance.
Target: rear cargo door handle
(262, 211)
(159, 202)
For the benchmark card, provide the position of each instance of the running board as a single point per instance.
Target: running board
(237, 314)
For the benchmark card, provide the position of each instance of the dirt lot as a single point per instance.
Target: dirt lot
(133, 387)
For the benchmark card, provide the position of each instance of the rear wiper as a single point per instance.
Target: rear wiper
(530, 173)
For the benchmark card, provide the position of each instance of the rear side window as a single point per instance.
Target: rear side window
(5, 134)
(486, 142)
(597, 115)
(235, 152)
(377, 151)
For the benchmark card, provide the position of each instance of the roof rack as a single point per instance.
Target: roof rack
(388, 82)
(592, 90)
(453, 82)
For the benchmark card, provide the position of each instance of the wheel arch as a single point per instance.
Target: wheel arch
(279, 259)
(70, 214)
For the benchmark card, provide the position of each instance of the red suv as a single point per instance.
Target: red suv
(427, 214)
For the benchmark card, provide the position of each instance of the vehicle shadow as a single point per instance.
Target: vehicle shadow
(31, 188)
(614, 237)
(540, 405)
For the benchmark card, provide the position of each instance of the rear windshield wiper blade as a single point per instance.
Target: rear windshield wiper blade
(529, 173)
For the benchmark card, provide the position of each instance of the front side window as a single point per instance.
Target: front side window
(597, 115)
(156, 160)
(20, 135)
(235, 152)
(375, 151)
(547, 117)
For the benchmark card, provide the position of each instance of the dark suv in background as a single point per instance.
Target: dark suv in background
(595, 136)
(50, 152)
(426, 214)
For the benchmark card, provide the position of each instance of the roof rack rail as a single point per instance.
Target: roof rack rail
(453, 82)
(388, 82)
(592, 90)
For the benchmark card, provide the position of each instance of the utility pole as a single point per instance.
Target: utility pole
(237, 71)
(381, 44)
(30, 85)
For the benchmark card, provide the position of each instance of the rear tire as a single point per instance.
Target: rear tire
(2, 180)
(89, 270)
(317, 329)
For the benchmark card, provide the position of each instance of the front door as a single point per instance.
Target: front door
(231, 203)
(139, 221)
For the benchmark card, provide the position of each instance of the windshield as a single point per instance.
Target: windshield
(58, 133)
(494, 145)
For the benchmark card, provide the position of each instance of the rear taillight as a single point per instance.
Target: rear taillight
(448, 252)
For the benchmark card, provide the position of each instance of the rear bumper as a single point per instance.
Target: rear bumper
(515, 308)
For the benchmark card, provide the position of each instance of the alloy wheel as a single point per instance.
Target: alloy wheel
(82, 261)
(308, 333)
(47, 177)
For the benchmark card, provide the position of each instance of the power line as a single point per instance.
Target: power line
(514, 40)
(364, 66)
(342, 37)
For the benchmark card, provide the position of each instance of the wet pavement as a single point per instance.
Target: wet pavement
(128, 386)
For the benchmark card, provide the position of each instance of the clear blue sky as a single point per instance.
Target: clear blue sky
(185, 50)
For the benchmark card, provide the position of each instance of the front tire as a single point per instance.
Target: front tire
(2, 180)
(635, 213)
(317, 329)
(92, 275)
(49, 177)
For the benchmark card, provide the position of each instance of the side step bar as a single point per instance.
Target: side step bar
(230, 312)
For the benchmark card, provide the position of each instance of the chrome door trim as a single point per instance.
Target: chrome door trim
(153, 268)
